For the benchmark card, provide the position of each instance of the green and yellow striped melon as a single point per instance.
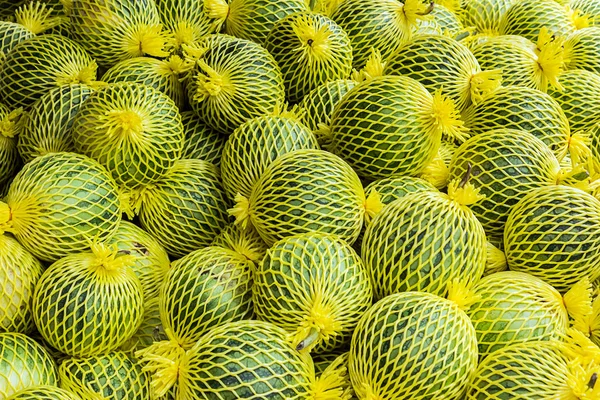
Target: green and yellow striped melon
(553, 233)
(542, 370)
(47, 60)
(579, 98)
(523, 62)
(412, 345)
(524, 109)
(527, 17)
(186, 209)
(255, 144)
(134, 130)
(251, 19)
(23, 364)
(396, 187)
(151, 329)
(514, 307)
(47, 125)
(201, 142)
(484, 15)
(505, 165)
(207, 288)
(44, 392)
(112, 376)
(318, 105)
(19, 273)
(582, 49)
(186, 21)
(243, 359)
(314, 286)
(442, 63)
(306, 191)
(442, 21)
(423, 241)
(89, 303)
(115, 30)
(150, 263)
(391, 125)
(31, 19)
(378, 24)
(162, 75)
(246, 242)
(58, 203)
(311, 50)
(232, 81)
(11, 123)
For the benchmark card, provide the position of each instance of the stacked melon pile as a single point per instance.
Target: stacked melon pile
(308, 200)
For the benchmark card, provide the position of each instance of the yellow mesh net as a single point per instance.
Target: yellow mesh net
(36, 202)
(527, 17)
(495, 260)
(19, 273)
(515, 162)
(484, 15)
(321, 101)
(254, 145)
(421, 242)
(441, 21)
(582, 50)
(109, 376)
(23, 364)
(150, 331)
(81, 289)
(201, 142)
(326, 286)
(552, 230)
(186, 21)
(311, 50)
(415, 345)
(304, 191)
(44, 392)
(246, 242)
(205, 289)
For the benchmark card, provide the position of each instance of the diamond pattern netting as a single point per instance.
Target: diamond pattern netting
(312, 282)
(186, 209)
(591, 9)
(60, 202)
(187, 21)
(523, 371)
(307, 191)
(506, 164)
(245, 359)
(150, 331)
(135, 131)
(41, 63)
(205, 289)
(254, 145)
(554, 233)
(311, 50)
(382, 127)
(23, 364)
(527, 17)
(112, 30)
(201, 142)
(515, 56)
(580, 98)
(11, 34)
(235, 80)
(438, 63)
(115, 376)
(523, 109)
(320, 102)
(582, 50)
(10, 128)
(412, 345)
(246, 242)
(253, 20)
(442, 22)
(484, 15)
(151, 263)
(83, 306)
(47, 126)
(514, 307)
(19, 273)
(377, 24)
(44, 392)
(158, 74)
(422, 242)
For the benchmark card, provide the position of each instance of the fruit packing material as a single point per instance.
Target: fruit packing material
(185, 23)
(10, 126)
(246, 242)
(44, 392)
(201, 142)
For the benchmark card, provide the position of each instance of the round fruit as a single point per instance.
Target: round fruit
(201, 142)
(43, 392)
(246, 242)
(527, 17)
